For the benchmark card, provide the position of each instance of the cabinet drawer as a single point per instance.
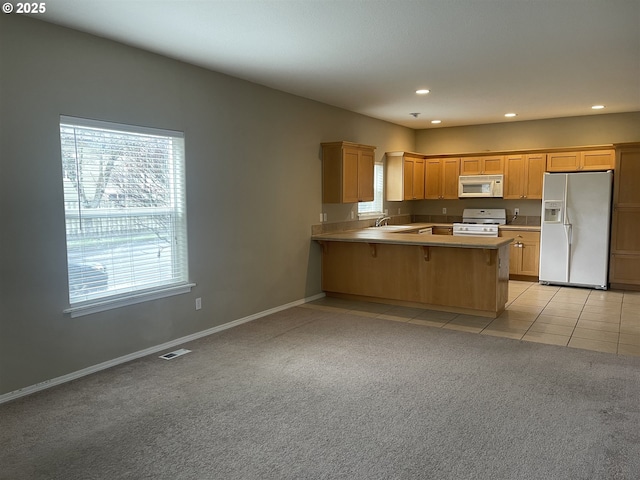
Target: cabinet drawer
(442, 230)
(521, 236)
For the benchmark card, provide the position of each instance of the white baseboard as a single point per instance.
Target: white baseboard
(147, 351)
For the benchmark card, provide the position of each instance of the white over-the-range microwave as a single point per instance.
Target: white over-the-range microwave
(480, 186)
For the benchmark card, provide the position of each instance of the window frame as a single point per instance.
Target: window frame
(178, 283)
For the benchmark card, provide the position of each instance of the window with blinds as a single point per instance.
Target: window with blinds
(125, 211)
(374, 208)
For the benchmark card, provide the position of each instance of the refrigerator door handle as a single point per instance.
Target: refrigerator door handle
(568, 231)
(565, 219)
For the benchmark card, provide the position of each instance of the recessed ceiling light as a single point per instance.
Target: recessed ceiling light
(422, 91)
(598, 107)
(510, 114)
(436, 121)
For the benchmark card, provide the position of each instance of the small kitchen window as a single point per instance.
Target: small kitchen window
(374, 208)
(125, 214)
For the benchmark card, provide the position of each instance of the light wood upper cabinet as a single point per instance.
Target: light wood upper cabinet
(577, 161)
(347, 172)
(441, 178)
(523, 176)
(625, 227)
(404, 176)
(485, 165)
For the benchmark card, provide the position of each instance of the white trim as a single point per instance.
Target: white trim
(129, 299)
(7, 397)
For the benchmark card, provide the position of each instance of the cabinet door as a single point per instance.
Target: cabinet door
(418, 179)
(524, 252)
(350, 175)
(365, 175)
(563, 162)
(626, 181)
(433, 176)
(442, 230)
(450, 174)
(597, 160)
(534, 176)
(514, 179)
(492, 165)
(408, 179)
(470, 166)
(530, 257)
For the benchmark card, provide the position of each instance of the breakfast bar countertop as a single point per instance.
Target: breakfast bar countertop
(407, 235)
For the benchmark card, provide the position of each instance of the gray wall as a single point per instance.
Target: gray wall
(553, 133)
(253, 191)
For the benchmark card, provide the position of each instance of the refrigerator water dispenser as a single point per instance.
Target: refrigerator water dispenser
(553, 211)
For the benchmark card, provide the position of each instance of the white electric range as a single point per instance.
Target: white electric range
(480, 222)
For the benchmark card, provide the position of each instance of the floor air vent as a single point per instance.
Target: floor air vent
(174, 354)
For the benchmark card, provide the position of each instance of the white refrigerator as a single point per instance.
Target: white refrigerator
(574, 237)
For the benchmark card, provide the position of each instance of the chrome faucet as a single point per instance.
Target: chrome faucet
(382, 221)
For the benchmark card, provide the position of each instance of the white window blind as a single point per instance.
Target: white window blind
(374, 208)
(125, 210)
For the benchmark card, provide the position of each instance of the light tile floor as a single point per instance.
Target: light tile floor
(606, 321)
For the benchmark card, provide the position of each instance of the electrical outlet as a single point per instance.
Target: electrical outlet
(353, 215)
(444, 210)
(324, 217)
(321, 217)
(516, 211)
(198, 303)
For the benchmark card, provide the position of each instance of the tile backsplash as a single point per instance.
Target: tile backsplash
(533, 220)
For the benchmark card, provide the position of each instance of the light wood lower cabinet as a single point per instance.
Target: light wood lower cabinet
(624, 268)
(463, 280)
(524, 257)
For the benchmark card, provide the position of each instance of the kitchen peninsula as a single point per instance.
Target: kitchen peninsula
(398, 265)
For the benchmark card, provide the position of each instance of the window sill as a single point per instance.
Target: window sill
(101, 305)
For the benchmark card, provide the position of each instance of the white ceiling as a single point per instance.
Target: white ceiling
(480, 58)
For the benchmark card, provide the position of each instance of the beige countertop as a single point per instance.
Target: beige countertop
(404, 236)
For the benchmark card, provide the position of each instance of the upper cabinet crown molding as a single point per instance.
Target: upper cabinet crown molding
(347, 172)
